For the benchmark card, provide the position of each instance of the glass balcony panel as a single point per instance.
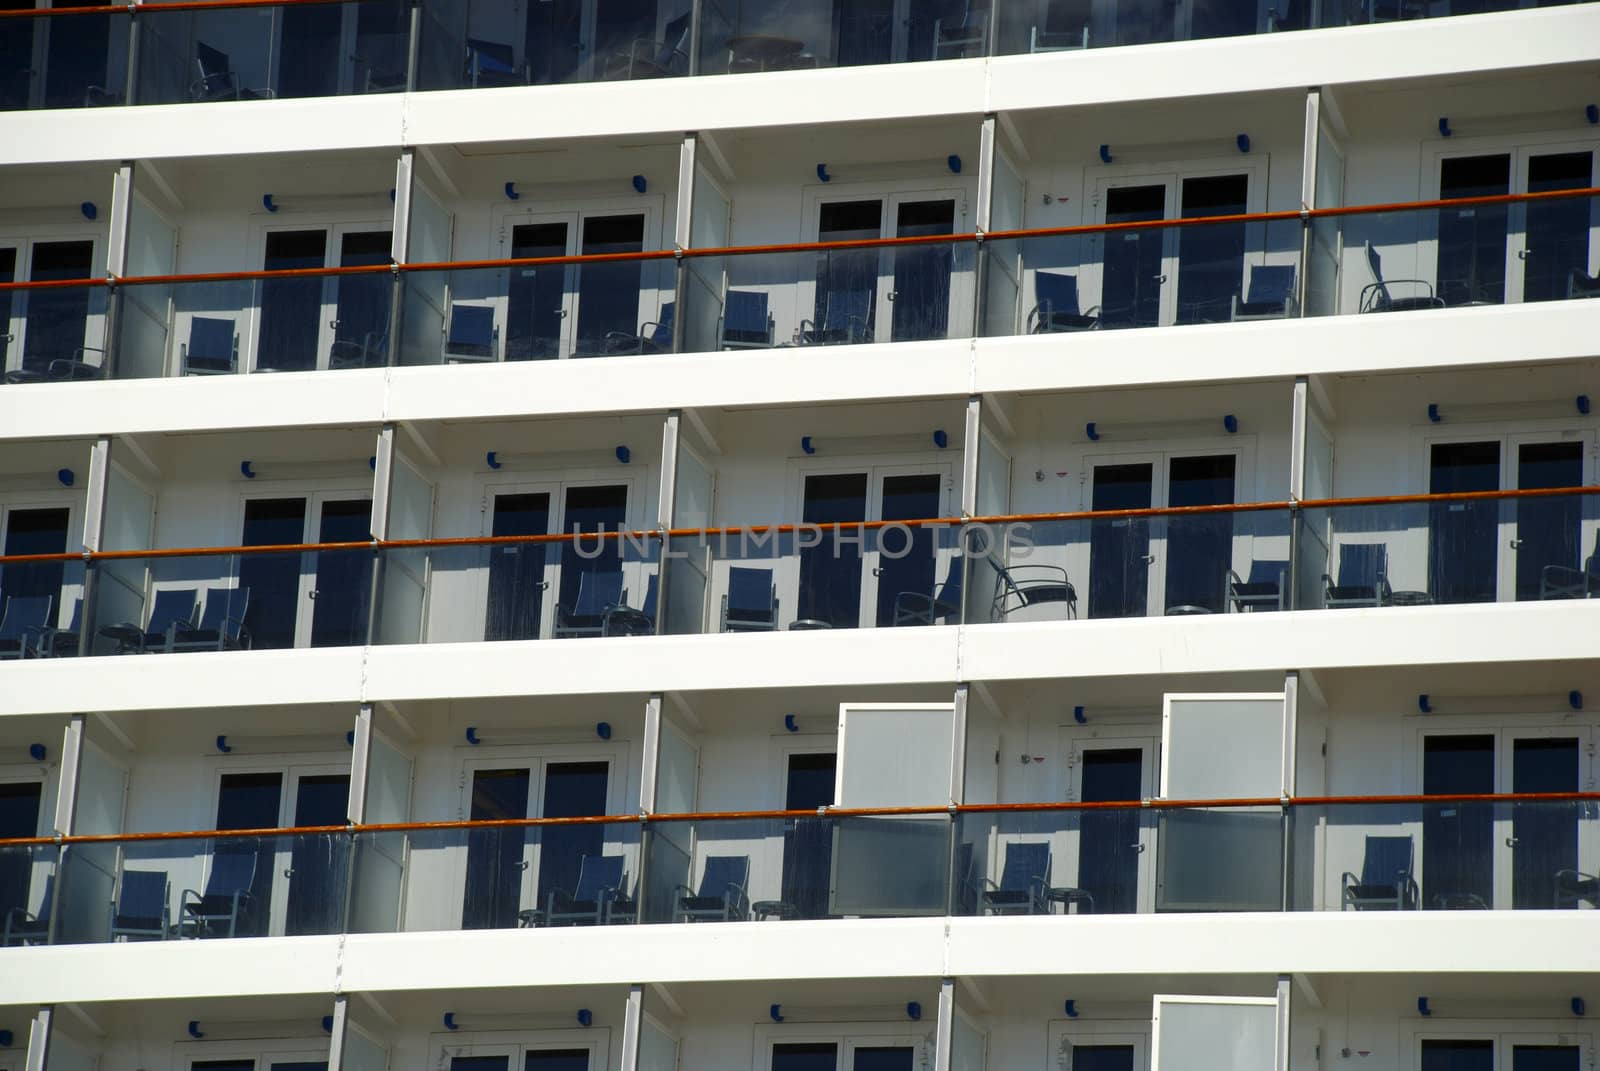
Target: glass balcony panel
(1141, 566)
(1425, 553)
(1453, 855)
(505, 876)
(64, 61)
(1476, 254)
(1033, 26)
(1144, 276)
(526, 590)
(27, 894)
(744, 36)
(473, 44)
(543, 312)
(238, 602)
(265, 53)
(800, 868)
(904, 293)
(832, 574)
(202, 888)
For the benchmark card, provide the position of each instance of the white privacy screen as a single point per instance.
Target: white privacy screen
(894, 756)
(1219, 747)
(1215, 1033)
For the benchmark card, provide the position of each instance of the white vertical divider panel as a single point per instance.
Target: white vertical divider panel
(1207, 1033)
(341, 1025)
(958, 746)
(382, 481)
(971, 443)
(652, 754)
(360, 765)
(944, 1031)
(94, 507)
(1297, 439)
(632, 1022)
(1291, 712)
(39, 1039)
(71, 766)
(1281, 1061)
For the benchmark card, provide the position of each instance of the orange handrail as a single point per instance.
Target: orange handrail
(152, 8)
(644, 535)
(645, 256)
(976, 809)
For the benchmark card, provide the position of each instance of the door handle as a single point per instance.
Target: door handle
(877, 572)
(313, 593)
(1149, 559)
(334, 324)
(289, 872)
(522, 865)
(1161, 278)
(1137, 847)
(1516, 544)
(893, 294)
(1511, 842)
(561, 313)
(1522, 254)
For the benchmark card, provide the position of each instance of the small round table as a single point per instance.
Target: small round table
(808, 624)
(1066, 897)
(1186, 610)
(128, 637)
(773, 909)
(1410, 598)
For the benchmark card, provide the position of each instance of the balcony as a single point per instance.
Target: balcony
(1439, 852)
(330, 305)
(67, 59)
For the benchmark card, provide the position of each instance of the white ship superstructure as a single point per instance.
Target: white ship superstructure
(799, 535)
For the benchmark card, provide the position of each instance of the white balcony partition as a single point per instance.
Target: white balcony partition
(893, 755)
(380, 859)
(1225, 746)
(1207, 1033)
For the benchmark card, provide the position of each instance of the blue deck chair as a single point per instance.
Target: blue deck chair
(1263, 589)
(1065, 26)
(845, 319)
(173, 609)
(212, 349)
(597, 593)
(1386, 881)
(1024, 884)
(227, 900)
(920, 608)
(62, 642)
(1565, 582)
(1057, 305)
(23, 620)
(746, 324)
(1363, 578)
(964, 35)
(647, 57)
(217, 80)
(490, 64)
(600, 878)
(751, 603)
(473, 335)
(1375, 296)
(722, 896)
(142, 909)
(221, 625)
(653, 337)
(624, 620)
(1271, 294)
(22, 927)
